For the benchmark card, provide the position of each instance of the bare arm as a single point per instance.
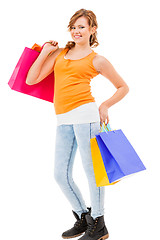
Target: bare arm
(105, 68)
(43, 65)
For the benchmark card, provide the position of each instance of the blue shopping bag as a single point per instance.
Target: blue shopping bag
(119, 157)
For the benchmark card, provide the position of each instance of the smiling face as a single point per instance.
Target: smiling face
(81, 31)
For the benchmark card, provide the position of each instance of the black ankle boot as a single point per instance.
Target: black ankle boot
(96, 229)
(79, 227)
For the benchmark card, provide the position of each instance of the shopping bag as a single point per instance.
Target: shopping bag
(119, 157)
(44, 89)
(98, 165)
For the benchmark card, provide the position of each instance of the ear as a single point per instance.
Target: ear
(93, 29)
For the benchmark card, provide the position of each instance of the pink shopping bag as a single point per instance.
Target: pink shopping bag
(43, 90)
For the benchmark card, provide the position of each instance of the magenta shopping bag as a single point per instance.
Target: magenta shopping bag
(119, 157)
(43, 90)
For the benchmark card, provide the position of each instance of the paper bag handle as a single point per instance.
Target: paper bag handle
(105, 127)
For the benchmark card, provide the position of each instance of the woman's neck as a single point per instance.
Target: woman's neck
(83, 48)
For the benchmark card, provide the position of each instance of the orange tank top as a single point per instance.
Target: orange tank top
(72, 82)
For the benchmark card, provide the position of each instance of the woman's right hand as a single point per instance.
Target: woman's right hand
(50, 47)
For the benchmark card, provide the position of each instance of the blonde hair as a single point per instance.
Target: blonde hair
(92, 21)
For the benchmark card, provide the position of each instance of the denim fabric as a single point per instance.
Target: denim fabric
(68, 138)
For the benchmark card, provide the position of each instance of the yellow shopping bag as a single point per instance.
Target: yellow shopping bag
(98, 165)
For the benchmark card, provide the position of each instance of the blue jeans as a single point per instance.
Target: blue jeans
(68, 138)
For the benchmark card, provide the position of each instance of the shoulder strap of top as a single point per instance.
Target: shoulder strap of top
(62, 52)
(92, 55)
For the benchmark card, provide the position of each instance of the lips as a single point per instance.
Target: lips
(77, 36)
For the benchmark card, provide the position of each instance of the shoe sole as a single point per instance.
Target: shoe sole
(101, 238)
(104, 237)
(73, 236)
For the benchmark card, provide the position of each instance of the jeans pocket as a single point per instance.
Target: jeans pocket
(95, 129)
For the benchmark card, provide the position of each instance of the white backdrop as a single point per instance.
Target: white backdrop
(32, 205)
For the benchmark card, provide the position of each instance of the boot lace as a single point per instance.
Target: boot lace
(91, 227)
(79, 222)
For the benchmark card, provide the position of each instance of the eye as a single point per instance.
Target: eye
(74, 27)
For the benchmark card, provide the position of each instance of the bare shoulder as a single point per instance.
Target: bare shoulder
(99, 62)
(56, 53)
(59, 50)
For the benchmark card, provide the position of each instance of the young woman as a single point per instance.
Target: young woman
(78, 117)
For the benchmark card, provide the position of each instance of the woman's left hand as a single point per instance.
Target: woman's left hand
(103, 112)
